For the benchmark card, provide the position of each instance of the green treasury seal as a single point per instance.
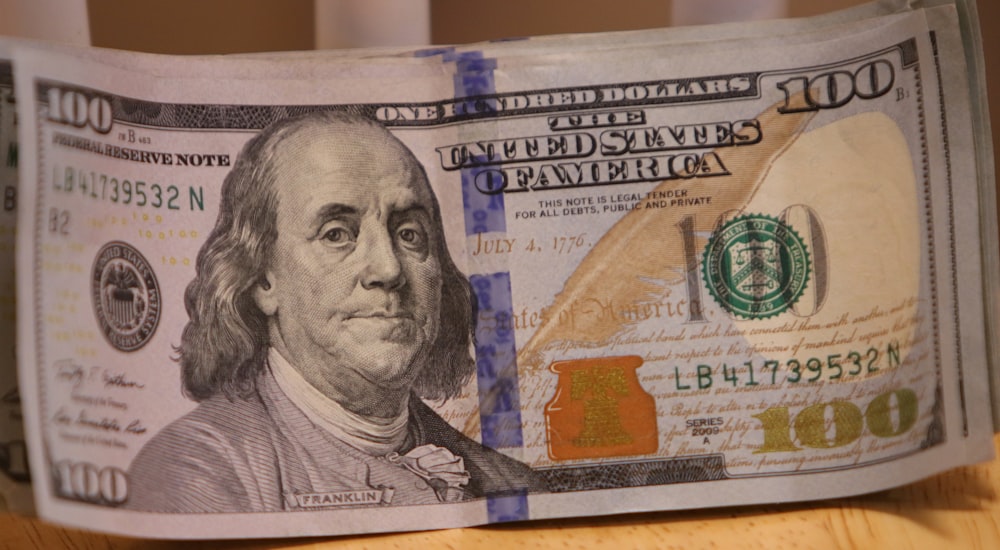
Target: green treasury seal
(756, 266)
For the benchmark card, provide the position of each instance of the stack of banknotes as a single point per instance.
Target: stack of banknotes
(323, 293)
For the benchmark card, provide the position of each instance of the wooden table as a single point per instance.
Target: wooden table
(958, 510)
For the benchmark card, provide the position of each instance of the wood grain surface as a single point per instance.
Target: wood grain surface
(956, 510)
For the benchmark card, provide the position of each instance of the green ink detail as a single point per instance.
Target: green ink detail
(756, 266)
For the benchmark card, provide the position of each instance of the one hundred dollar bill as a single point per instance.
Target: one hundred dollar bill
(303, 296)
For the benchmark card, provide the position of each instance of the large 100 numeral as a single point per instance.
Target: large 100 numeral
(78, 109)
(845, 418)
(836, 88)
(86, 482)
(797, 216)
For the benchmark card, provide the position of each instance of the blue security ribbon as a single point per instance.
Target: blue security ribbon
(496, 351)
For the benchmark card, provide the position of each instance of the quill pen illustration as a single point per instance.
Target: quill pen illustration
(643, 253)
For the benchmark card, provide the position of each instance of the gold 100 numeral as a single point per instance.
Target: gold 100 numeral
(847, 420)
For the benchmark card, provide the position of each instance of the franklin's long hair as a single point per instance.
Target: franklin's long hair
(224, 344)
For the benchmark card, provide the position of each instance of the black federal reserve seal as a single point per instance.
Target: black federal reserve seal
(126, 296)
(756, 266)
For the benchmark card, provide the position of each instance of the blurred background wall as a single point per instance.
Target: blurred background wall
(33, 18)
(227, 26)
(202, 26)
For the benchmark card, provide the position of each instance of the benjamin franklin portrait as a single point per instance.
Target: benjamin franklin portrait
(325, 312)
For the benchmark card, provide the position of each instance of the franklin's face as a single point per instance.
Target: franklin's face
(354, 279)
